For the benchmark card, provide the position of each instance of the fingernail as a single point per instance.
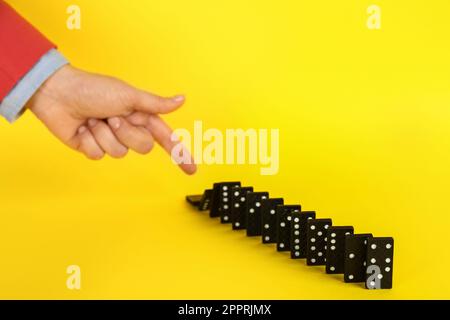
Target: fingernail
(178, 98)
(114, 122)
(82, 130)
(92, 122)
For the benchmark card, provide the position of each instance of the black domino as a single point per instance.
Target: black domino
(238, 206)
(379, 263)
(360, 257)
(284, 219)
(269, 219)
(202, 201)
(205, 201)
(220, 203)
(234, 200)
(335, 252)
(316, 243)
(298, 233)
(194, 199)
(253, 212)
(355, 257)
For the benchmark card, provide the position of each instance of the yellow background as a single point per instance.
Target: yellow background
(365, 139)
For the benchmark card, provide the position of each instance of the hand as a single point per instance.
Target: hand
(95, 115)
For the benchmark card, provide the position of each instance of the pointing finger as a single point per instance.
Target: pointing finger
(163, 135)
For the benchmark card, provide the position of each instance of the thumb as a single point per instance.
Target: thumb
(150, 103)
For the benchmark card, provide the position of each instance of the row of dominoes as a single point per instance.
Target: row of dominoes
(360, 257)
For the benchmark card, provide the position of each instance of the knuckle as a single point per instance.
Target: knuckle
(119, 153)
(88, 152)
(92, 155)
(145, 147)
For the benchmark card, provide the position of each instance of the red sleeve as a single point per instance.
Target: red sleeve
(21, 47)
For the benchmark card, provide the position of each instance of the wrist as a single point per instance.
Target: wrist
(53, 89)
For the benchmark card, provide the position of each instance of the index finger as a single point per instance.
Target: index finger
(162, 134)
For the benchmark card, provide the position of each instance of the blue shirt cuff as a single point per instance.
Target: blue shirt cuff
(14, 103)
